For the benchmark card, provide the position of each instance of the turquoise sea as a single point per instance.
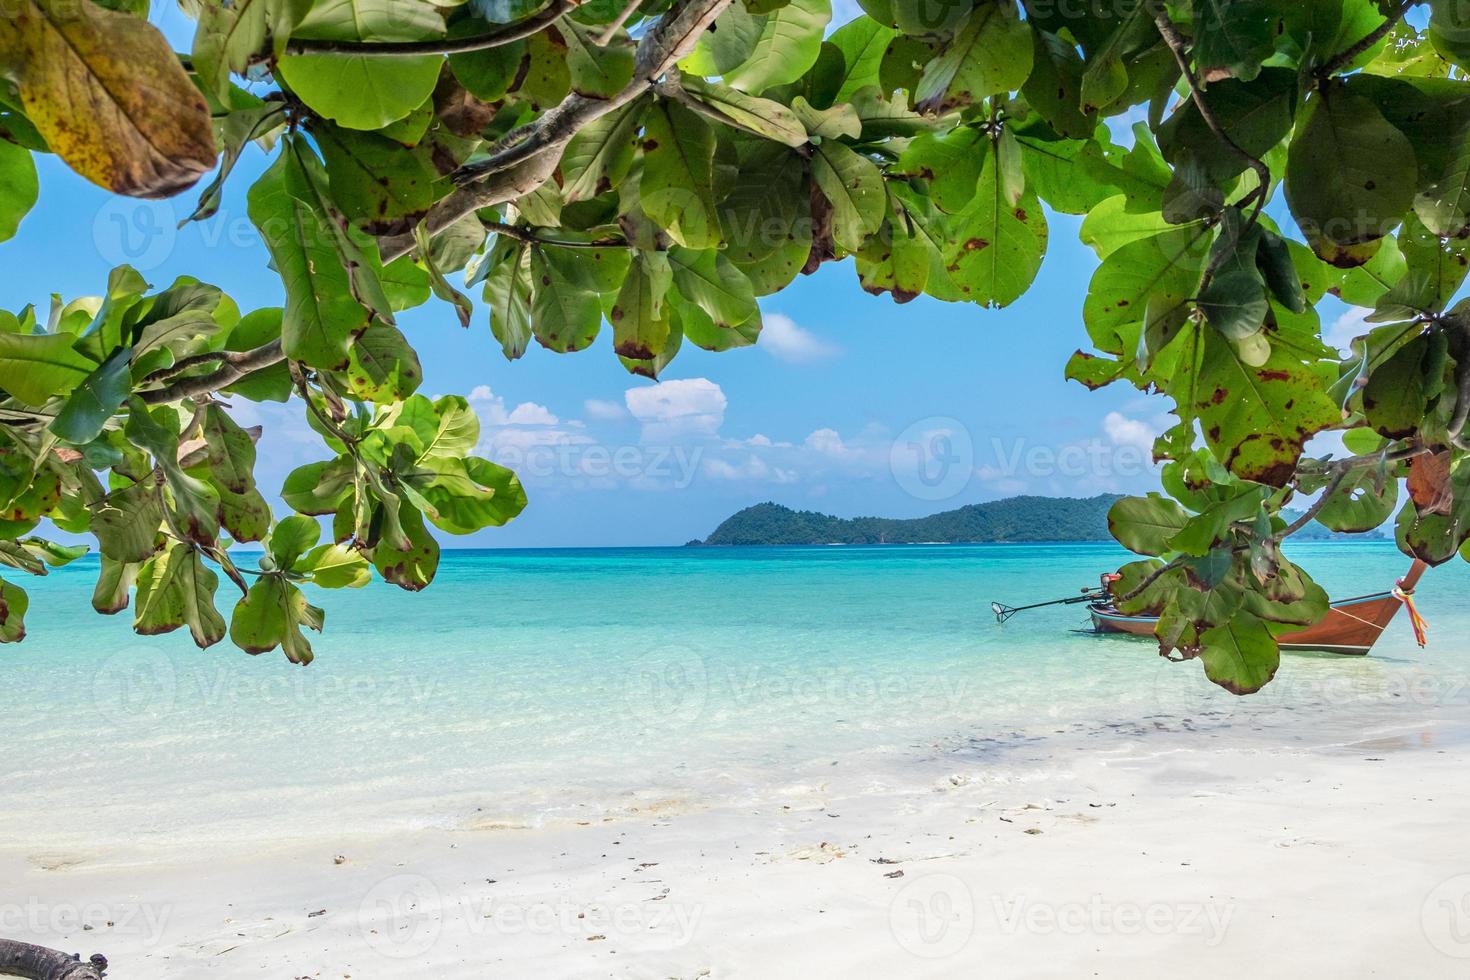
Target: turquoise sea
(528, 687)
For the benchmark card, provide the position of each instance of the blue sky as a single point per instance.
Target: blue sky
(850, 404)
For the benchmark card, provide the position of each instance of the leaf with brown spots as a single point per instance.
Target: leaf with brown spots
(1243, 409)
(109, 96)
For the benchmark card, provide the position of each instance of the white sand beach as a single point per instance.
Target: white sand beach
(1166, 853)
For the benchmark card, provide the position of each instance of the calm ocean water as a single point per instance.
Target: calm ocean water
(527, 687)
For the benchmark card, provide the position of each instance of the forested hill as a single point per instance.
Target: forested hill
(1012, 519)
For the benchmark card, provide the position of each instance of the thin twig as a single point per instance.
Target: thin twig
(499, 37)
(522, 233)
(1176, 44)
(608, 33)
(1150, 579)
(1311, 512)
(1350, 54)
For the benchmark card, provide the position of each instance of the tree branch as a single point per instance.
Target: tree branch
(499, 37)
(521, 168)
(1350, 54)
(612, 29)
(18, 959)
(1176, 44)
(1150, 579)
(1316, 507)
(236, 366)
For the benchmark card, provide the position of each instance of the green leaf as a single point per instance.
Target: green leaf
(1054, 87)
(991, 54)
(465, 495)
(1158, 271)
(711, 282)
(1257, 115)
(312, 253)
(114, 581)
(1395, 396)
(600, 155)
(19, 186)
(412, 566)
(995, 248)
(1235, 303)
(639, 318)
(1350, 175)
(894, 262)
(950, 161)
(508, 293)
(430, 257)
(126, 523)
(95, 400)
(1256, 419)
(751, 113)
(272, 614)
(854, 187)
(677, 187)
(37, 367)
(728, 42)
(365, 91)
(1145, 525)
(1361, 502)
(176, 589)
(1106, 77)
(13, 605)
(488, 73)
(319, 488)
(382, 367)
(379, 185)
(862, 42)
(1443, 205)
(597, 71)
(1234, 35)
(230, 34)
(789, 42)
(1240, 655)
(335, 566)
(565, 316)
(292, 538)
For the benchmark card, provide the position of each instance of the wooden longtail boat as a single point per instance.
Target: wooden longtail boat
(1350, 627)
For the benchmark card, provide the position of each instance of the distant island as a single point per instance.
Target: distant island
(1012, 519)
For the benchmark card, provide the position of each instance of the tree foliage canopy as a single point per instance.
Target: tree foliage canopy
(659, 165)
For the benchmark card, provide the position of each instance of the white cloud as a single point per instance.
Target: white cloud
(783, 339)
(1125, 431)
(683, 407)
(1351, 324)
(604, 411)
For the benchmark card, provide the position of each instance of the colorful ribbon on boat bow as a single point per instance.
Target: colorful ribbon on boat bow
(1406, 596)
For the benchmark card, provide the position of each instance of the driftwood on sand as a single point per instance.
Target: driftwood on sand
(18, 959)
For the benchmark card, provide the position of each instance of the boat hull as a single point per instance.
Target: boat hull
(1351, 627)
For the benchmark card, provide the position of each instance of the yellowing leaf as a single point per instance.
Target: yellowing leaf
(109, 96)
